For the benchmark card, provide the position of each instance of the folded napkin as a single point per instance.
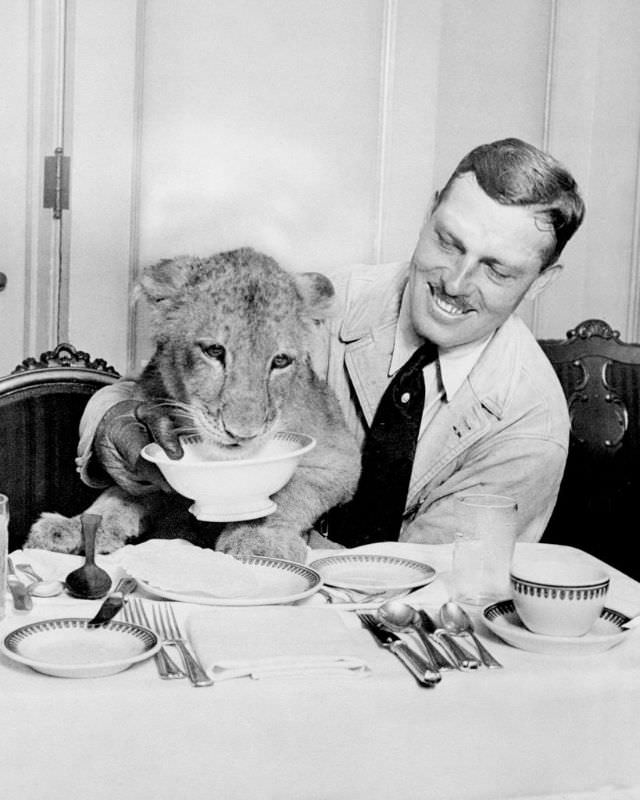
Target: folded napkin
(274, 642)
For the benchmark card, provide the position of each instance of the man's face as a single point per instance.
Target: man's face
(474, 262)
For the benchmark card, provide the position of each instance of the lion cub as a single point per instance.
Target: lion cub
(233, 335)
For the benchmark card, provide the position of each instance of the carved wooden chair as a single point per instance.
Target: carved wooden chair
(597, 504)
(41, 402)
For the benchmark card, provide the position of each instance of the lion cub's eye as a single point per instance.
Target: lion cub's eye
(280, 361)
(216, 351)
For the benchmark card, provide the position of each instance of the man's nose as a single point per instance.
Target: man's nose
(459, 275)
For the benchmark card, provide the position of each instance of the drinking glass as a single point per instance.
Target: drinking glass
(4, 547)
(483, 548)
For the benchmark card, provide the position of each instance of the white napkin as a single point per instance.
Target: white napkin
(274, 641)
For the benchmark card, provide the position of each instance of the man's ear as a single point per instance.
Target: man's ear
(545, 278)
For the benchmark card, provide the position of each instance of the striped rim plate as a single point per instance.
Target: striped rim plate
(66, 648)
(279, 581)
(368, 572)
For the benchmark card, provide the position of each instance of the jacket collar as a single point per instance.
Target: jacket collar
(368, 331)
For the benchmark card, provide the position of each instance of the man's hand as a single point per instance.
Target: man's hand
(122, 433)
(159, 423)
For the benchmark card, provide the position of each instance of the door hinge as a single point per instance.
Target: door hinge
(56, 182)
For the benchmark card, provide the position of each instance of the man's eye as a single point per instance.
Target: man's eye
(498, 273)
(447, 244)
(281, 361)
(216, 351)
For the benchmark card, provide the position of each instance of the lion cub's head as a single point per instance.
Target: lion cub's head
(231, 334)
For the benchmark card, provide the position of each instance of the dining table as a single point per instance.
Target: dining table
(547, 725)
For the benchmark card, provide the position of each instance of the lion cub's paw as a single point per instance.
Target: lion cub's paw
(64, 534)
(55, 532)
(254, 541)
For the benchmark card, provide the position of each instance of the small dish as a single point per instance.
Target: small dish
(370, 573)
(66, 648)
(503, 620)
(278, 582)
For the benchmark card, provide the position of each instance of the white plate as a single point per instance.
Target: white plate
(278, 581)
(66, 648)
(368, 572)
(503, 620)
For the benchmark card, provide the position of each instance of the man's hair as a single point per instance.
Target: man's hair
(515, 173)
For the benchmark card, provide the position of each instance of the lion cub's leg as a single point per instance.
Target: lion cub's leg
(122, 519)
(256, 539)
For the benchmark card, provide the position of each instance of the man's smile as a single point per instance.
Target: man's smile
(452, 306)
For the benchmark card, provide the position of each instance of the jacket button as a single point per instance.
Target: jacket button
(405, 397)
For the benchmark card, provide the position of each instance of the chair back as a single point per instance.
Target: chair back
(41, 402)
(597, 503)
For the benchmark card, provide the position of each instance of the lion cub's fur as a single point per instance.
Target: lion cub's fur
(232, 335)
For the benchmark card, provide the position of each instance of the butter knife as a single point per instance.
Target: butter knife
(22, 600)
(113, 603)
(414, 662)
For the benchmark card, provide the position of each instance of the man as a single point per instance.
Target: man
(494, 417)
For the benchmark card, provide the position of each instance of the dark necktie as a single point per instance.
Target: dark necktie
(375, 513)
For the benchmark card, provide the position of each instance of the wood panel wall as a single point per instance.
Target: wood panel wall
(319, 131)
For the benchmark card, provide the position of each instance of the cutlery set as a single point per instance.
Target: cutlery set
(440, 649)
(166, 626)
(134, 612)
(416, 663)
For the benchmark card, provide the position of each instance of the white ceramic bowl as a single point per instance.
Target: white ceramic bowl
(559, 594)
(232, 490)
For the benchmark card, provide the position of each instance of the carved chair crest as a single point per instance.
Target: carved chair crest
(66, 355)
(594, 367)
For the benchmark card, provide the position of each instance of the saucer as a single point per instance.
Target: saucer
(502, 619)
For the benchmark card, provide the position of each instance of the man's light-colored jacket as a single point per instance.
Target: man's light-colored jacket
(505, 431)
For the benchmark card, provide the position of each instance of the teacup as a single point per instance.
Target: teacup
(559, 596)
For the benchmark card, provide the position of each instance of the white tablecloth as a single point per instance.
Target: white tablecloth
(566, 728)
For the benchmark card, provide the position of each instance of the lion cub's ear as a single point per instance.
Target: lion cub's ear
(317, 292)
(167, 279)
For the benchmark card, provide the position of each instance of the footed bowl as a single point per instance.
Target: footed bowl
(234, 489)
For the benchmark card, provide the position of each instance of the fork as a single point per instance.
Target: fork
(134, 612)
(340, 595)
(167, 624)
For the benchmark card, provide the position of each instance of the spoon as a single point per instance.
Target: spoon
(385, 617)
(461, 657)
(402, 617)
(39, 587)
(89, 581)
(456, 620)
